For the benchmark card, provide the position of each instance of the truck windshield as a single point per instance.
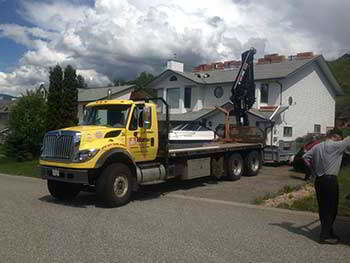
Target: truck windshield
(107, 115)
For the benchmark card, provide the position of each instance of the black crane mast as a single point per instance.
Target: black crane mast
(243, 89)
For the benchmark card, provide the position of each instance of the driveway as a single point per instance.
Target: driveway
(245, 190)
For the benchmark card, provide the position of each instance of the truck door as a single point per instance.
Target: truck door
(141, 136)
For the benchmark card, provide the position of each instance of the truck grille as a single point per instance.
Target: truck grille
(59, 146)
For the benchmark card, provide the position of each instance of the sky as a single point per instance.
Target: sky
(118, 39)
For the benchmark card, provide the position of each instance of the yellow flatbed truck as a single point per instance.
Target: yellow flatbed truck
(120, 146)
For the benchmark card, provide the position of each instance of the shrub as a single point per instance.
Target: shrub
(27, 127)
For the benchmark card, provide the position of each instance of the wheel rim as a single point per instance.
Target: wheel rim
(255, 163)
(120, 186)
(236, 166)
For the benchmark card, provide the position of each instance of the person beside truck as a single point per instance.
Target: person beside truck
(324, 160)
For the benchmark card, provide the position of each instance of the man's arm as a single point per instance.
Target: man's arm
(307, 157)
(345, 145)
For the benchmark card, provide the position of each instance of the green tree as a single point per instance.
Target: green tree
(54, 119)
(143, 79)
(62, 99)
(27, 126)
(70, 97)
(81, 82)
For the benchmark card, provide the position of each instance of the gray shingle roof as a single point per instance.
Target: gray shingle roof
(188, 116)
(93, 94)
(261, 72)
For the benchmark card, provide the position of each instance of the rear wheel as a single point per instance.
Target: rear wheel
(235, 167)
(114, 186)
(63, 191)
(252, 163)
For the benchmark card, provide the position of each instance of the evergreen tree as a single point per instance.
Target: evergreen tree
(54, 118)
(143, 79)
(81, 82)
(70, 97)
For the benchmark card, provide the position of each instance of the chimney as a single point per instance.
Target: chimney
(175, 65)
(305, 55)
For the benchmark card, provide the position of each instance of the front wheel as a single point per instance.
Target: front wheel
(235, 167)
(114, 186)
(63, 191)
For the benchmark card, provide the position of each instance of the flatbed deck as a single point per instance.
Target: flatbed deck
(190, 149)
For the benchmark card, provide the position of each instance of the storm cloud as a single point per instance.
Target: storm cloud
(119, 39)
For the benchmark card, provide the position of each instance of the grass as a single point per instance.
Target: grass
(285, 190)
(309, 203)
(27, 168)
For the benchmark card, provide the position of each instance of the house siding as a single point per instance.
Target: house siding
(313, 103)
(164, 84)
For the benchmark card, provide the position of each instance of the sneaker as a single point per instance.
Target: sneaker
(329, 240)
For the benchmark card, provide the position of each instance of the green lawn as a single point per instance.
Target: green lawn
(310, 203)
(27, 168)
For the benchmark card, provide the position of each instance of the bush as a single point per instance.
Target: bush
(27, 126)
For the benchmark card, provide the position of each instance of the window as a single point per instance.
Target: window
(188, 92)
(160, 93)
(107, 115)
(173, 97)
(264, 93)
(317, 128)
(218, 92)
(147, 117)
(328, 129)
(287, 131)
(173, 78)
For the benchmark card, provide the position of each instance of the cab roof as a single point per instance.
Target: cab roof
(110, 102)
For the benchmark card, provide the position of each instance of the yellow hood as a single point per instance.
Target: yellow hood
(90, 133)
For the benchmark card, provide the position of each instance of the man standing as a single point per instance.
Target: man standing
(324, 159)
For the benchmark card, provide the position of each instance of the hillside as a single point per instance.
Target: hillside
(341, 70)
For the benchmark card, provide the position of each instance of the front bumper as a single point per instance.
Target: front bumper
(78, 176)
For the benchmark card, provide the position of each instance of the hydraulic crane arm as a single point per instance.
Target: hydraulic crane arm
(243, 89)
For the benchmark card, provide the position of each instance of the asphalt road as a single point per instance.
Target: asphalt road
(166, 228)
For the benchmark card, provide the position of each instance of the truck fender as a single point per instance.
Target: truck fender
(115, 155)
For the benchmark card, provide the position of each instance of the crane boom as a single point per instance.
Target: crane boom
(243, 89)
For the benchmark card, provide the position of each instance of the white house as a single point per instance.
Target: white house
(294, 96)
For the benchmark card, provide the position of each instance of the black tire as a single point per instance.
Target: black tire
(252, 163)
(235, 167)
(63, 191)
(114, 186)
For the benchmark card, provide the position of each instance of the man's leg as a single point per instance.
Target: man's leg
(326, 190)
(335, 200)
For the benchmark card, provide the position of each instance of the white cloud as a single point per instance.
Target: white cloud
(118, 39)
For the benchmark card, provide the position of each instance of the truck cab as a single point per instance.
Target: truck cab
(112, 130)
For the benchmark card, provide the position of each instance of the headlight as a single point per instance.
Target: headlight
(85, 155)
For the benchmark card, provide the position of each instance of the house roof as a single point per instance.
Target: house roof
(5, 106)
(273, 71)
(92, 94)
(188, 116)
